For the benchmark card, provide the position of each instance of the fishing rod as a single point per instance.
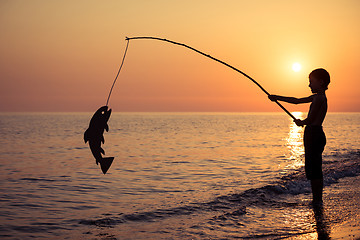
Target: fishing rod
(204, 54)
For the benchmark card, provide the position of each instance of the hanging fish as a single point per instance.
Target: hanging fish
(98, 123)
(94, 134)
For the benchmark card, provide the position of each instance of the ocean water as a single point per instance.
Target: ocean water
(175, 176)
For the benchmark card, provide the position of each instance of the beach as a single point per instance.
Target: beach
(341, 199)
(338, 199)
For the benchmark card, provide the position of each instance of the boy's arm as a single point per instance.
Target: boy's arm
(291, 99)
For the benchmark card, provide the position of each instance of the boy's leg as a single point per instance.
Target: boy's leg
(314, 143)
(317, 190)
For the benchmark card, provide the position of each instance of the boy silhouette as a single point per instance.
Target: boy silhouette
(314, 137)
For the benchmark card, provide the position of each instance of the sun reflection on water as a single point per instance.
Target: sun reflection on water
(294, 143)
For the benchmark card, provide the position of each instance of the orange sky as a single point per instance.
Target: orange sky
(64, 55)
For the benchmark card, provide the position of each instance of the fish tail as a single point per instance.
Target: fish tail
(105, 163)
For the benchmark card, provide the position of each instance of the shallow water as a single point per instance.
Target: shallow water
(175, 175)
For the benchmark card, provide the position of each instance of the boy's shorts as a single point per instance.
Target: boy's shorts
(314, 143)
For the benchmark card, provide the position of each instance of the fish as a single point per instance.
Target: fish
(95, 136)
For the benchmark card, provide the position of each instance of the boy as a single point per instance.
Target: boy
(314, 137)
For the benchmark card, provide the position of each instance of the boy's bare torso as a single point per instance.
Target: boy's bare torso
(318, 109)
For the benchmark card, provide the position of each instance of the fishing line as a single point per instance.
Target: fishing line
(121, 65)
(204, 54)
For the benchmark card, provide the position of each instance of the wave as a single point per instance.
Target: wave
(335, 167)
(43, 179)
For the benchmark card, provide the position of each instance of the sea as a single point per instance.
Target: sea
(174, 176)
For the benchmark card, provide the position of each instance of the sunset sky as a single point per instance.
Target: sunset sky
(64, 55)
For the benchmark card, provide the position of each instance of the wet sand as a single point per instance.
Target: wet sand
(340, 219)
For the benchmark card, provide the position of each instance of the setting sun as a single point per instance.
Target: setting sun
(67, 62)
(296, 67)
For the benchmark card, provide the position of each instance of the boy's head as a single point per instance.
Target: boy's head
(322, 76)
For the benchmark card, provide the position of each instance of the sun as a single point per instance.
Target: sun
(296, 67)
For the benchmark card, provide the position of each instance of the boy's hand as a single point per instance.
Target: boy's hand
(272, 97)
(299, 122)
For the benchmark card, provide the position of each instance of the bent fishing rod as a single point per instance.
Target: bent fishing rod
(202, 53)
